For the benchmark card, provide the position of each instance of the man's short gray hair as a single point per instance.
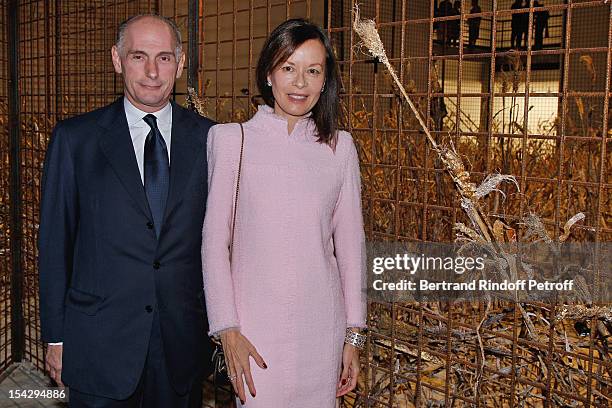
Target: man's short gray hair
(171, 24)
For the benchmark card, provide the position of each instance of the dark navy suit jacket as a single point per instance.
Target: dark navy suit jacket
(103, 271)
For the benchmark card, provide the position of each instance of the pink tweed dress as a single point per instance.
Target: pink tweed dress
(297, 277)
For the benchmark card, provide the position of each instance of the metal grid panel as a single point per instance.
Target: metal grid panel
(491, 102)
(178, 11)
(83, 36)
(35, 126)
(231, 36)
(65, 70)
(5, 244)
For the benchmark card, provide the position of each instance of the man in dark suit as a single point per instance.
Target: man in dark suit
(123, 201)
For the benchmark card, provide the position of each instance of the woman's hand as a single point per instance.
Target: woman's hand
(350, 370)
(237, 349)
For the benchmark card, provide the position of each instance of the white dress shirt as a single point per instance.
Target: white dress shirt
(139, 131)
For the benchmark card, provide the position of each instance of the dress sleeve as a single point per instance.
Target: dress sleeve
(217, 276)
(349, 241)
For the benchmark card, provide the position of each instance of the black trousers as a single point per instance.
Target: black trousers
(516, 39)
(153, 390)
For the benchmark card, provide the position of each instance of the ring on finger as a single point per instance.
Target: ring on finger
(231, 377)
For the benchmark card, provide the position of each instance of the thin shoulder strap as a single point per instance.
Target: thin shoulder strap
(231, 249)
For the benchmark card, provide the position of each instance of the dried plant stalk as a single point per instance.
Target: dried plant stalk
(366, 29)
(199, 103)
(486, 233)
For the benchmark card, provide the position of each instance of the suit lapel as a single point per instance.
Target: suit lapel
(119, 150)
(185, 147)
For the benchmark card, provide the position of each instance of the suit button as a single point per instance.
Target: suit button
(149, 225)
(156, 265)
(148, 308)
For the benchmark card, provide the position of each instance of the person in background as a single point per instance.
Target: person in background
(516, 37)
(454, 26)
(123, 197)
(292, 296)
(524, 24)
(436, 24)
(444, 9)
(474, 24)
(541, 25)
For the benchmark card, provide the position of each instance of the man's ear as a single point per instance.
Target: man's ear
(116, 59)
(181, 63)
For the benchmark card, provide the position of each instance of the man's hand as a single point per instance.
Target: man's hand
(53, 363)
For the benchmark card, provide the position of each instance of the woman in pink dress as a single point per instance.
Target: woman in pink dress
(294, 292)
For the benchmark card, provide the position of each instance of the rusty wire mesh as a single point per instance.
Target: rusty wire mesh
(5, 245)
(231, 36)
(541, 115)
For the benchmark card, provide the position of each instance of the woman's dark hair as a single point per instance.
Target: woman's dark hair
(279, 46)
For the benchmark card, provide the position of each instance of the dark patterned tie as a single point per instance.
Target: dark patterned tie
(156, 172)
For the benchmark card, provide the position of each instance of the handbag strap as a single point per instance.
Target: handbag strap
(231, 249)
